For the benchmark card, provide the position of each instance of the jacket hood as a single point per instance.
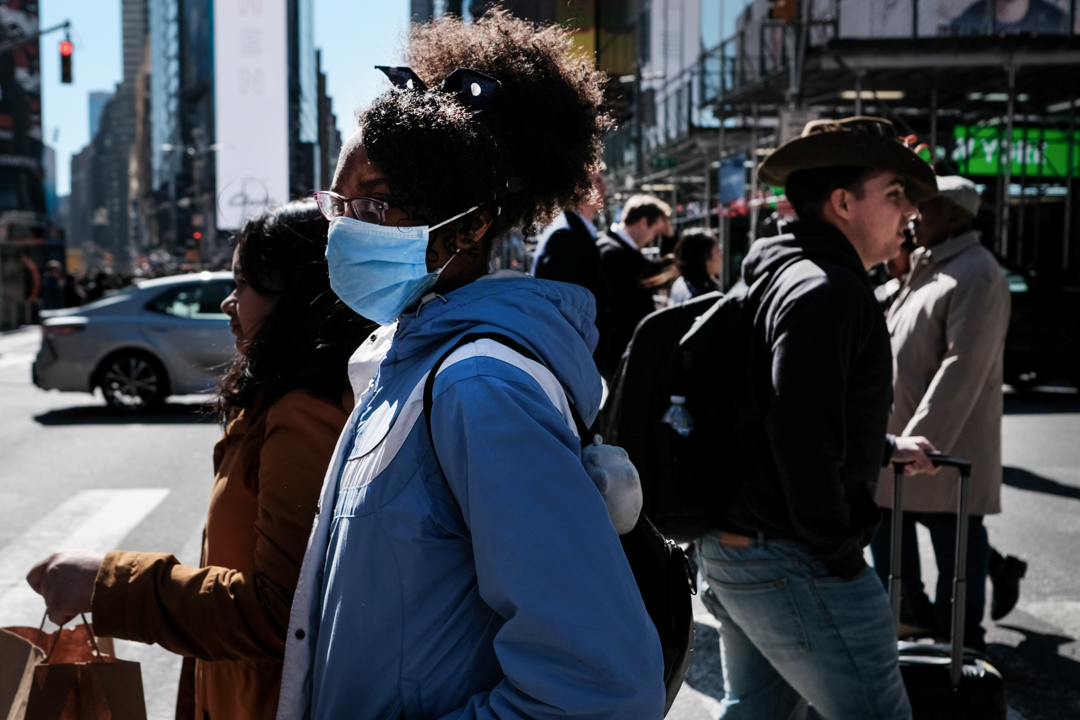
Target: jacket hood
(555, 320)
(812, 240)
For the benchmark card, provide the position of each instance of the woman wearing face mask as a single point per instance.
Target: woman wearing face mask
(283, 404)
(464, 563)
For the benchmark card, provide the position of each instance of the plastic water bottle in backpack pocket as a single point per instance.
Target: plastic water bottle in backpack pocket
(678, 417)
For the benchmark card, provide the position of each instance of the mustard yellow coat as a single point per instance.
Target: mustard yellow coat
(230, 615)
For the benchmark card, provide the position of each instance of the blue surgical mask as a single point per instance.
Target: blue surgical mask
(380, 270)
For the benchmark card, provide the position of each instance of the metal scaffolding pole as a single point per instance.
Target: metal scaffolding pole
(933, 125)
(707, 200)
(753, 180)
(1005, 151)
(1065, 254)
(722, 221)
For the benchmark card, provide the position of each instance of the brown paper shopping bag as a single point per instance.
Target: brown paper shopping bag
(18, 658)
(72, 679)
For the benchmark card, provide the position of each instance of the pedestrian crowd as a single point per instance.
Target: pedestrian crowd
(403, 521)
(60, 289)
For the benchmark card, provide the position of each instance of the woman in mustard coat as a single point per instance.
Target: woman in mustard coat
(283, 404)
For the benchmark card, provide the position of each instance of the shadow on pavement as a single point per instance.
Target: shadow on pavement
(706, 674)
(1042, 683)
(1041, 403)
(168, 414)
(1025, 480)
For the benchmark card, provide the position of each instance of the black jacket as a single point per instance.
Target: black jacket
(570, 255)
(624, 269)
(821, 387)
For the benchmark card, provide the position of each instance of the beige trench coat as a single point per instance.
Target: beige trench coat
(948, 327)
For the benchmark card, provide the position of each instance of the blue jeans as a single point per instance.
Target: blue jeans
(792, 634)
(916, 607)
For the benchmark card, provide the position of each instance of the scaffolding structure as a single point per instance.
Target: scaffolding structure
(992, 101)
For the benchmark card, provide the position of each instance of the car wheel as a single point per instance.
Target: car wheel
(132, 382)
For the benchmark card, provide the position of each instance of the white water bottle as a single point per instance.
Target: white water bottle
(678, 417)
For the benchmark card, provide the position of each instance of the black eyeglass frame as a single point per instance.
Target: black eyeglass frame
(376, 208)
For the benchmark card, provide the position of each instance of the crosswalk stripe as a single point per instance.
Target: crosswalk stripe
(91, 520)
(16, 360)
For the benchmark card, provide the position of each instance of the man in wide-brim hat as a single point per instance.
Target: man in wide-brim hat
(803, 619)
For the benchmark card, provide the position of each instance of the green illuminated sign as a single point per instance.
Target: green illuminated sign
(1036, 152)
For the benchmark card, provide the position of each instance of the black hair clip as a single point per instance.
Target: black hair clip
(473, 89)
(403, 77)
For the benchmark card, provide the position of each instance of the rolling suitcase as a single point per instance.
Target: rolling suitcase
(945, 681)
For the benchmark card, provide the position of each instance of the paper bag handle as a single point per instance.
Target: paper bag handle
(56, 640)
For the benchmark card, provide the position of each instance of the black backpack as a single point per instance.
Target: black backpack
(700, 350)
(662, 572)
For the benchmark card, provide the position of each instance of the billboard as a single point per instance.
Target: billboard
(250, 108)
(732, 176)
(1035, 152)
(21, 169)
(950, 18)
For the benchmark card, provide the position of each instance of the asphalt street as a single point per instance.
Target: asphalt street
(72, 474)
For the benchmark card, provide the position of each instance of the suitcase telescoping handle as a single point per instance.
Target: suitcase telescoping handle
(959, 593)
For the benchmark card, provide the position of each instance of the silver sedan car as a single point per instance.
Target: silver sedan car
(162, 337)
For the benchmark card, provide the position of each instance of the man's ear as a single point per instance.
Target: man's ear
(840, 199)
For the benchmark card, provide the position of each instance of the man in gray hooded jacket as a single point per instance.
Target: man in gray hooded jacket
(948, 326)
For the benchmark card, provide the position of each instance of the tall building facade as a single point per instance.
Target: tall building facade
(27, 237)
(98, 101)
(329, 136)
(305, 154)
(22, 195)
(148, 178)
(104, 219)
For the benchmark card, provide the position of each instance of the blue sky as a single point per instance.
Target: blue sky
(353, 36)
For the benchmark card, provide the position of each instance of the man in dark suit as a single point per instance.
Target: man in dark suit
(566, 250)
(622, 265)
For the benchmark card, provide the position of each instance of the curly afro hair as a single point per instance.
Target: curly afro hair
(523, 157)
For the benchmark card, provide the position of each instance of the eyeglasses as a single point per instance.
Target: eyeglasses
(364, 209)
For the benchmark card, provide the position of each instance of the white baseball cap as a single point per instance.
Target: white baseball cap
(959, 191)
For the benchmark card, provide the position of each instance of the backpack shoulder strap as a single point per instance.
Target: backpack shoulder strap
(519, 356)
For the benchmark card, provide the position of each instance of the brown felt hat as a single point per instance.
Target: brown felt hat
(857, 141)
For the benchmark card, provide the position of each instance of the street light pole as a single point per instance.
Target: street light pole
(9, 45)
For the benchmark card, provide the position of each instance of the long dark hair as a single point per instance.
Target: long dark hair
(691, 254)
(306, 340)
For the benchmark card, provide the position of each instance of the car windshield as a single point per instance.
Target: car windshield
(112, 296)
(126, 290)
(193, 301)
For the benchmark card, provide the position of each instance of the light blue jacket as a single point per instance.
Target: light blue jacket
(498, 589)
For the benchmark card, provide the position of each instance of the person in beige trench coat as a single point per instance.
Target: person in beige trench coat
(948, 325)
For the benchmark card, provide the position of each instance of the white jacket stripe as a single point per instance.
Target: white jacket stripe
(543, 377)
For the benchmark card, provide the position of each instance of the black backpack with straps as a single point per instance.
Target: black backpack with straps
(661, 570)
(699, 350)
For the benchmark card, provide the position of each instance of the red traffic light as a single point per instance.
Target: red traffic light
(66, 48)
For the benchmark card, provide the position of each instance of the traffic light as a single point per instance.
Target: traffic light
(65, 61)
(783, 10)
